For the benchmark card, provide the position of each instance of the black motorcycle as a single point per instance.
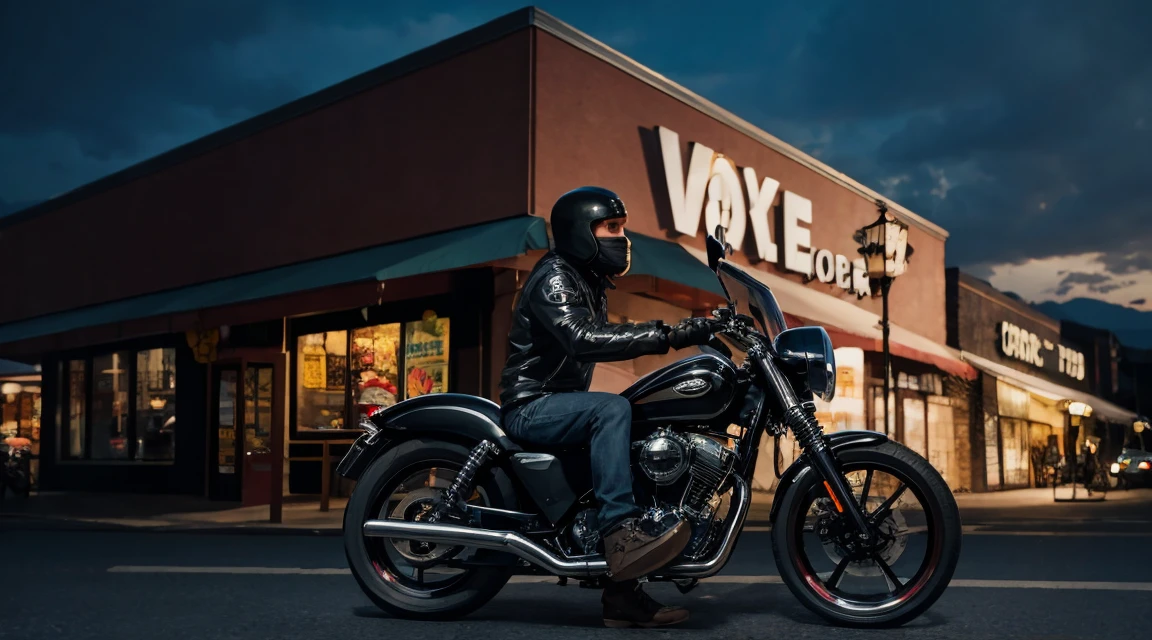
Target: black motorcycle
(447, 508)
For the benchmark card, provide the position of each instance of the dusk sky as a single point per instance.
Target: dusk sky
(1024, 127)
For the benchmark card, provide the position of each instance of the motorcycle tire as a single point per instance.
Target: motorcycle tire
(929, 488)
(384, 474)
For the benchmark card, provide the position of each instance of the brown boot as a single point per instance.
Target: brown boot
(639, 546)
(626, 605)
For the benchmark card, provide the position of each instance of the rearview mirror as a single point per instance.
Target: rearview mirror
(717, 248)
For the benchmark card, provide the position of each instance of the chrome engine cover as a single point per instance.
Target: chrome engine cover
(664, 457)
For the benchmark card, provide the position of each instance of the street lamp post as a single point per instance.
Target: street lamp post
(884, 245)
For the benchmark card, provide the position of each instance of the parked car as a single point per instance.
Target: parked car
(1133, 468)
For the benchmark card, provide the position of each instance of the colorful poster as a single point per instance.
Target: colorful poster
(426, 356)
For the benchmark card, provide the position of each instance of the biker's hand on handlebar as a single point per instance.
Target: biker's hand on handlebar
(691, 332)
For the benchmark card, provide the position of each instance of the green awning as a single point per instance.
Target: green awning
(669, 261)
(427, 254)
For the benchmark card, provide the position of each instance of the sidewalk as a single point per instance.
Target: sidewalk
(1019, 510)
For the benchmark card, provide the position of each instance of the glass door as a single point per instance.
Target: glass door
(256, 447)
(223, 459)
(244, 414)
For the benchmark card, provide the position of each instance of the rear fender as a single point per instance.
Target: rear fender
(454, 417)
(838, 441)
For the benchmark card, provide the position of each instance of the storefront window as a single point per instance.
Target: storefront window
(77, 392)
(426, 356)
(156, 404)
(992, 450)
(321, 375)
(846, 411)
(20, 418)
(915, 432)
(337, 372)
(376, 365)
(1014, 438)
(942, 441)
(110, 406)
(119, 406)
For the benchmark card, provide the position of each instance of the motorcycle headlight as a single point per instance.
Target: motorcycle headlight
(808, 359)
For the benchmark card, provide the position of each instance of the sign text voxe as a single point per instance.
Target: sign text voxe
(715, 192)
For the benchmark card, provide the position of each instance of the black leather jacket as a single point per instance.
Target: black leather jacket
(560, 329)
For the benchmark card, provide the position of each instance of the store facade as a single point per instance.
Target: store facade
(1029, 376)
(381, 274)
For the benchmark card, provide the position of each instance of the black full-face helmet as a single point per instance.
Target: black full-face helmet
(573, 216)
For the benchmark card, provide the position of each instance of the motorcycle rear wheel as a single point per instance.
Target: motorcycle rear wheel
(913, 597)
(382, 581)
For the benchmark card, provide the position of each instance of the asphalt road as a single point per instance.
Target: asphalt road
(114, 585)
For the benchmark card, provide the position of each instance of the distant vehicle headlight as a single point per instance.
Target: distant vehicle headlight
(1115, 467)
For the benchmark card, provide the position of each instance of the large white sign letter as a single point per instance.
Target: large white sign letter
(797, 209)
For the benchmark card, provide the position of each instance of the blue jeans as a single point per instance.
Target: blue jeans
(602, 420)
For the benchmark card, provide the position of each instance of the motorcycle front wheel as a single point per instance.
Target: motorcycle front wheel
(914, 539)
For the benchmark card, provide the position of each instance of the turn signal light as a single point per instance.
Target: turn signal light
(1145, 465)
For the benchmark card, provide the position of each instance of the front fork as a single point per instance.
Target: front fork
(798, 416)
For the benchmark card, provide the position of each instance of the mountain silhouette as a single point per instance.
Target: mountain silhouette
(1131, 326)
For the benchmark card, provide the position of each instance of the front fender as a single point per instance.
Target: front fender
(838, 441)
(449, 416)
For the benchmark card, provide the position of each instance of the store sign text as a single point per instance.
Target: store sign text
(716, 192)
(1027, 347)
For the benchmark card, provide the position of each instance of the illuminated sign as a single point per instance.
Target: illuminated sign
(1027, 347)
(716, 192)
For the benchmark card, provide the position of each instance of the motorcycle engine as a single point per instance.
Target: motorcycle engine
(685, 473)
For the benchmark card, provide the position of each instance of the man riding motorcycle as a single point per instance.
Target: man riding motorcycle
(560, 329)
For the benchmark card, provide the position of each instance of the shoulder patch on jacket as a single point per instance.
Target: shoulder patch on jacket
(558, 289)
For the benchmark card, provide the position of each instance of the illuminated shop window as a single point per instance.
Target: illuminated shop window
(321, 380)
(156, 404)
(337, 372)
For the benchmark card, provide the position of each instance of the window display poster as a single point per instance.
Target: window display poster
(426, 355)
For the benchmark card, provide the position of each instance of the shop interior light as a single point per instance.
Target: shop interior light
(10, 388)
(157, 403)
(1079, 409)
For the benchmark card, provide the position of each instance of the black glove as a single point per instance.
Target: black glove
(690, 332)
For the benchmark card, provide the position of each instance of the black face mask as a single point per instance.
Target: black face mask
(614, 257)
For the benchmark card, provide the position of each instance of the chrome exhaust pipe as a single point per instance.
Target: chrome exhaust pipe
(529, 551)
(508, 541)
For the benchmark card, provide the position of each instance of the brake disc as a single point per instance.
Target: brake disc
(894, 530)
(416, 506)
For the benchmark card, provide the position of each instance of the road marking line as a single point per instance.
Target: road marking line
(974, 584)
(230, 570)
(981, 530)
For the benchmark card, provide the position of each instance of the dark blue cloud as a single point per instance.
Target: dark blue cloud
(1025, 128)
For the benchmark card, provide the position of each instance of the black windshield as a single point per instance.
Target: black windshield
(754, 298)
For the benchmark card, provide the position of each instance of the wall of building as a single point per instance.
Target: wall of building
(980, 313)
(595, 124)
(434, 150)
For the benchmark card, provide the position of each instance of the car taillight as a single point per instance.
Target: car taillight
(372, 410)
(1145, 465)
